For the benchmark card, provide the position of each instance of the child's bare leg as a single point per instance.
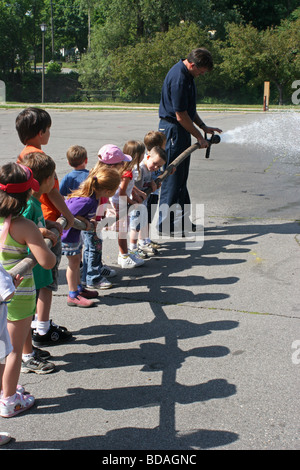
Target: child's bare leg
(1, 374)
(27, 348)
(43, 305)
(133, 237)
(18, 332)
(123, 248)
(73, 272)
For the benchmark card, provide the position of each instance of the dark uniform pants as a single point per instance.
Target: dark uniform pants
(174, 192)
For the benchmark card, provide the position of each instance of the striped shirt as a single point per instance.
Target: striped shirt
(23, 303)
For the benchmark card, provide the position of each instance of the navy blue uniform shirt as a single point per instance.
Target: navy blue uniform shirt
(178, 92)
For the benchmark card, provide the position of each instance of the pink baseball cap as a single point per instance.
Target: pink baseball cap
(111, 154)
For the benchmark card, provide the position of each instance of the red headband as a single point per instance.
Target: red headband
(31, 183)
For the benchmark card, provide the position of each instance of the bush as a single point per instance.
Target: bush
(27, 88)
(53, 67)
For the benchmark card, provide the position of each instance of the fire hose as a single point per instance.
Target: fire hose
(28, 263)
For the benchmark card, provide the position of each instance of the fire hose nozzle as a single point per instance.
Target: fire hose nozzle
(215, 139)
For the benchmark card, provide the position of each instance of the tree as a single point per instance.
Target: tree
(17, 33)
(70, 25)
(260, 13)
(256, 56)
(88, 6)
(128, 30)
(139, 70)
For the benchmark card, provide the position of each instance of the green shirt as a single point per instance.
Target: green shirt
(33, 211)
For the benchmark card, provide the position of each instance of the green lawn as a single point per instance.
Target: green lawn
(146, 106)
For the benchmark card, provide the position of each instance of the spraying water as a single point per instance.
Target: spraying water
(277, 132)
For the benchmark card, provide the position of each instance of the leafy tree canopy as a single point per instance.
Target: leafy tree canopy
(130, 44)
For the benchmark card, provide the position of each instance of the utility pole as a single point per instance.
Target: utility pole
(52, 29)
(43, 27)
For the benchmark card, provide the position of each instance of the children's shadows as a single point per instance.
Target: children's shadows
(159, 283)
(248, 232)
(151, 357)
(169, 281)
(179, 275)
(127, 438)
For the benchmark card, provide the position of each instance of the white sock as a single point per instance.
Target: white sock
(133, 246)
(144, 241)
(26, 357)
(42, 327)
(34, 322)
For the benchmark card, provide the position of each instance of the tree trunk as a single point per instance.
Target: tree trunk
(279, 87)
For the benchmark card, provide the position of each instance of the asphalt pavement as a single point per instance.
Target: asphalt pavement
(200, 347)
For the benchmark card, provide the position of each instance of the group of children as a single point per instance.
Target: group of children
(31, 201)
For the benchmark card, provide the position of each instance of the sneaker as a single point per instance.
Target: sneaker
(147, 248)
(102, 284)
(20, 389)
(40, 353)
(155, 245)
(59, 326)
(54, 335)
(33, 328)
(130, 261)
(14, 405)
(139, 253)
(137, 259)
(37, 365)
(107, 272)
(5, 437)
(88, 294)
(79, 301)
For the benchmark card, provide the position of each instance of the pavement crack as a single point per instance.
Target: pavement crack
(201, 307)
(297, 238)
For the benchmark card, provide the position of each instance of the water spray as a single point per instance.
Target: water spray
(278, 132)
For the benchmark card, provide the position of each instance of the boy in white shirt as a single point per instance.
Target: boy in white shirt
(139, 225)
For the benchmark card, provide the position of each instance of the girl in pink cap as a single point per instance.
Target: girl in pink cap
(132, 155)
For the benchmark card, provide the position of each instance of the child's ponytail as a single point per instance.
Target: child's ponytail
(99, 179)
(136, 150)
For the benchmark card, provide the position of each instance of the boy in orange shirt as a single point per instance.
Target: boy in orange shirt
(33, 127)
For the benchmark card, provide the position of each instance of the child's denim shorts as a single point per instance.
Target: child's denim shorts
(134, 220)
(71, 249)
